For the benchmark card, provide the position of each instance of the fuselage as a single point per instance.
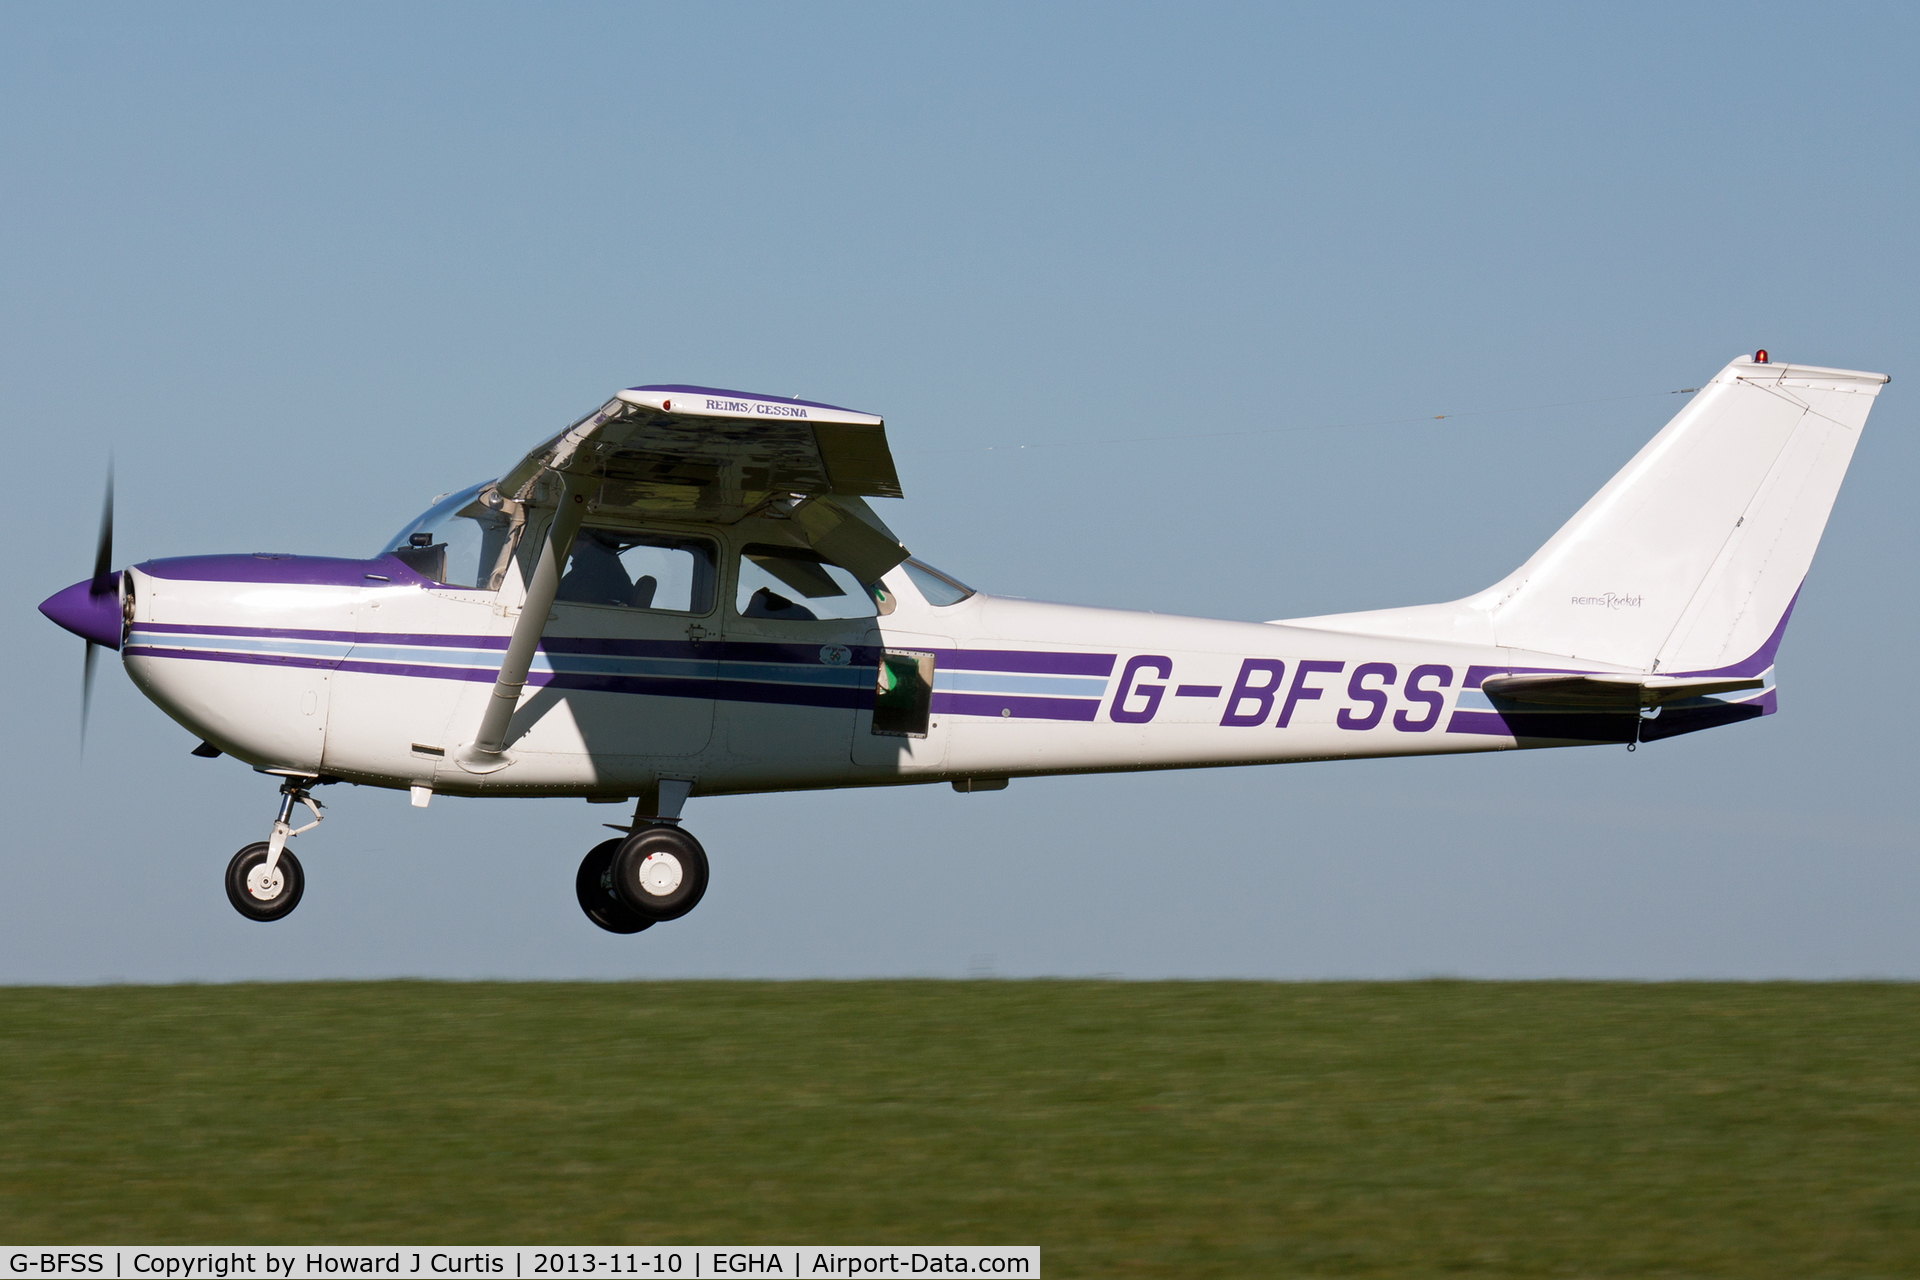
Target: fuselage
(366, 671)
(686, 593)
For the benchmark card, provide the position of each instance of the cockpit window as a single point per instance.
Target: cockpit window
(938, 588)
(458, 542)
(660, 571)
(797, 585)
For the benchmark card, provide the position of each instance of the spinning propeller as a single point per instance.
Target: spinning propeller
(91, 609)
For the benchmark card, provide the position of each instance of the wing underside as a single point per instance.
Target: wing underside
(702, 454)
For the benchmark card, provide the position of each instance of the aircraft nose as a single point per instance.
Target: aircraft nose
(89, 616)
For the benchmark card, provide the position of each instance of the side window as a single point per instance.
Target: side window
(939, 589)
(797, 585)
(639, 571)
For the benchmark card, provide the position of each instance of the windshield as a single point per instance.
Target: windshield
(457, 541)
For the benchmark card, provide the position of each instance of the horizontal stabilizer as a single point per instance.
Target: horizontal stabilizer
(1621, 691)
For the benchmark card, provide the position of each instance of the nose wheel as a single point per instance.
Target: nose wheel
(264, 880)
(261, 892)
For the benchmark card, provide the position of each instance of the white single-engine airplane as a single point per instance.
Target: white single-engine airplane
(684, 594)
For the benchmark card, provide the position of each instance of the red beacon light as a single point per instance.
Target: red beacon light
(1760, 356)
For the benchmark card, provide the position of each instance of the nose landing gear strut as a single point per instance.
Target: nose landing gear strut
(264, 880)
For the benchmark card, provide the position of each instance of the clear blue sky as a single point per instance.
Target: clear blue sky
(302, 268)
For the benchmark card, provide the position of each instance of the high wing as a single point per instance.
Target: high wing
(710, 455)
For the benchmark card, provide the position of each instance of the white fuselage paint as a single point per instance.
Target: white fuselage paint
(334, 679)
(1684, 567)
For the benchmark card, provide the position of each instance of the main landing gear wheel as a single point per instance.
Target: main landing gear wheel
(660, 872)
(259, 895)
(593, 885)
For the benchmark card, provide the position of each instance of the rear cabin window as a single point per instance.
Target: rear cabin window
(632, 570)
(796, 585)
(940, 589)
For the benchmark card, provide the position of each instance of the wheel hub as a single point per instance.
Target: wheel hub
(661, 874)
(265, 887)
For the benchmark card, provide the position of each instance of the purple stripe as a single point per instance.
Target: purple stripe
(1761, 658)
(676, 388)
(1197, 691)
(989, 660)
(794, 695)
(260, 659)
(1754, 664)
(1026, 660)
(653, 686)
(728, 650)
(864, 655)
(987, 704)
(323, 571)
(700, 687)
(259, 633)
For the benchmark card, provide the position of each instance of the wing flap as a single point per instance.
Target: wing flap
(844, 538)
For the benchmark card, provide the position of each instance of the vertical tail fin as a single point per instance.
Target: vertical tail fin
(1690, 558)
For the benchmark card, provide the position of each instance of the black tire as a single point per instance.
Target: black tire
(660, 872)
(293, 883)
(593, 885)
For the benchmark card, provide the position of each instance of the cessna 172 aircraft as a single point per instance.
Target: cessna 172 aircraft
(685, 594)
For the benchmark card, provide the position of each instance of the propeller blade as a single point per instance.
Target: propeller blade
(103, 552)
(86, 692)
(101, 585)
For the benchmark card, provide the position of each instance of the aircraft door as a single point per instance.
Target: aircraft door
(626, 668)
(793, 679)
(897, 727)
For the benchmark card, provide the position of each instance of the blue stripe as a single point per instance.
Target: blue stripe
(309, 648)
(1044, 686)
(846, 677)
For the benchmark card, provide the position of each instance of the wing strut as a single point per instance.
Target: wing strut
(487, 751)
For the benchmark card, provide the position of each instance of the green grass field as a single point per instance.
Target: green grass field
(1157, 1129)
